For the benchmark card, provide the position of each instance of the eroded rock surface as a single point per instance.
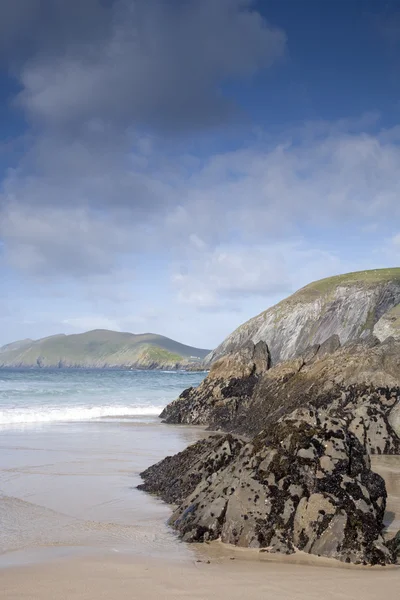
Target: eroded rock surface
(231, 380)
(176, 477)
(362, 378)
(305, 484)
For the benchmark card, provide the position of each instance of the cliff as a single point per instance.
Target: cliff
(102, 349)
(351, 306)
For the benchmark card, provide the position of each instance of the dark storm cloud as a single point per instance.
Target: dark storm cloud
(148, 62)
(29, 27)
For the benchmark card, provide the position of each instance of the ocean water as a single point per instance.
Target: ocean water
(64, 395)
(72, 446)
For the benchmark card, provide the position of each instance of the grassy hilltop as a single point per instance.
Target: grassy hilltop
(101, 349)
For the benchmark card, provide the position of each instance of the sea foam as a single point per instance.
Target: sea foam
(51, 414)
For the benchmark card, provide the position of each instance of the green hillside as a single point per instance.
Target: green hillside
(361, 278)
(101, 349)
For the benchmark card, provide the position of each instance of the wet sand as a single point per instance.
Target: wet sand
(74, 485)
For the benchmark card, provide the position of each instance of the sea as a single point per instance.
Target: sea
(72, 446)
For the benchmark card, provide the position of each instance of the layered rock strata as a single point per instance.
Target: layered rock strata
(351, 306)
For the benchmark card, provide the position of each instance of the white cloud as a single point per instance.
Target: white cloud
(249, 198)
(222, 279)
(232, 272)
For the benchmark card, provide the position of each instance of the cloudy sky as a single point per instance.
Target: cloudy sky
(177, 166)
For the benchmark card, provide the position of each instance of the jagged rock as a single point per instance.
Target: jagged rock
(364, 376)
(351, 306)
(305, 484)
(394, 546)
(175, 477)
(231, 380)
(300, 476)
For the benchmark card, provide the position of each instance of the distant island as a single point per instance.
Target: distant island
(101, 349)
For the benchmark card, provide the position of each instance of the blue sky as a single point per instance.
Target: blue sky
(178, 167)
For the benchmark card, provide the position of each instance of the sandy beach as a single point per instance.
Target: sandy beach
(127, 578)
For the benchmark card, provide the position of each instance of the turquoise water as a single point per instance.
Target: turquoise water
(65, 395)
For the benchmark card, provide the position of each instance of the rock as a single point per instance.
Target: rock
(394, 547)
(329, 346)
(350, 306)
(304, 484)
(231, 379)
(363, 376)
(176, 477)
(389, 324)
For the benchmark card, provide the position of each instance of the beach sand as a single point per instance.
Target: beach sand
(123, 578)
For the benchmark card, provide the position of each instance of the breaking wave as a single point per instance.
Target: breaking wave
(50, 414)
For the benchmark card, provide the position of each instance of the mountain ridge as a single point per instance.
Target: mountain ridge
(102, 348)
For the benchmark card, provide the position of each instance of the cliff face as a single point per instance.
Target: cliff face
(351, 306)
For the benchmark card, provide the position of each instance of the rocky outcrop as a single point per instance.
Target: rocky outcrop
(176, 477)
(351, 306)
(304, 484)
(231, 380)
(362, 378)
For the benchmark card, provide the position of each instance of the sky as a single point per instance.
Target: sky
(178, 166)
